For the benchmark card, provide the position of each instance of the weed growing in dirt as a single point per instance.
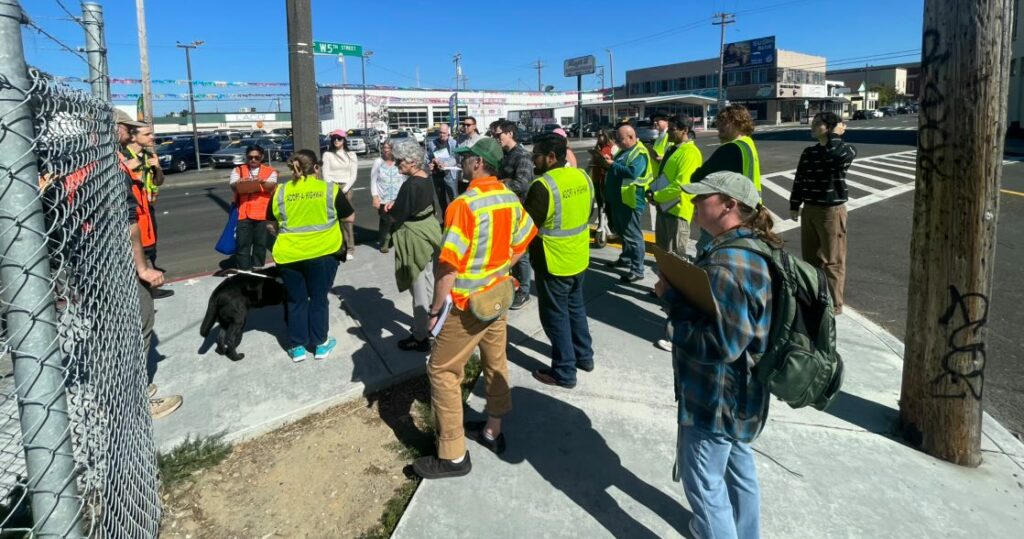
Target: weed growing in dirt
(191, 456)
(393, 511)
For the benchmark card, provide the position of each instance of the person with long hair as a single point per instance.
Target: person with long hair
(385, 181)
(722, 405)
(820, 187)
(605, 146)
(341, 166)
(308, 211)
(416, 235)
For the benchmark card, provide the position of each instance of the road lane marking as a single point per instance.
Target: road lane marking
(888, 162)
(887, 171)
(775, 188)
(875, 178)
(861, 186)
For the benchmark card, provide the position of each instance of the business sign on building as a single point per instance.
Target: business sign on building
(750, 53)
(584, 65)
(257, 117)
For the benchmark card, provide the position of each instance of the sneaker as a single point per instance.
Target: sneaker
(521, 299)
(547, 376)
(384, 250)
(475, 431)
(323, 350)
(410, 344)
(297, 353)
(664, 344)
(585, 367)
(631, 278)
(434, 468)
(151, 390)
(160, 293)
(351, 255)
(164, 406)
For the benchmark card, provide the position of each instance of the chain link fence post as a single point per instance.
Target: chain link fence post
(96, 49)
(27, 302)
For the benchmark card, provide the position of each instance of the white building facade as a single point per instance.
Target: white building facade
(395, 108)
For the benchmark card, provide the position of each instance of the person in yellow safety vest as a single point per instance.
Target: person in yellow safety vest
(560, 200)
(736, 154)
(674, 207)
(308, 212)
(663, 142)
(629, 174)
(486, 231)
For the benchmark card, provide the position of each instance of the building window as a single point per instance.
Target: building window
(398, 118)
(441, 115)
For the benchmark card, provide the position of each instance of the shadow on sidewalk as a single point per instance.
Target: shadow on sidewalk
(270, 320)
(375, 314)
(560, 442)
(866, 414)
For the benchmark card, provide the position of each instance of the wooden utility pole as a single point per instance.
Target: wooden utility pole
(965, 64)
(302, 76)
(538, 66)
(724, 19)
(147, 84)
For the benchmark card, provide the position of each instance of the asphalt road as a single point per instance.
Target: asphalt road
(193, 207)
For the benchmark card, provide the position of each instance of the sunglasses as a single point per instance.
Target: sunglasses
(254, 157)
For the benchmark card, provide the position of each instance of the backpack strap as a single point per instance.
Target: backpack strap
(761, 248)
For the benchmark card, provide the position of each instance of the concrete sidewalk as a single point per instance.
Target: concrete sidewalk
(596, 461)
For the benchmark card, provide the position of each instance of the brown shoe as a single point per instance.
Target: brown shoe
(151, 390)
(164, 406)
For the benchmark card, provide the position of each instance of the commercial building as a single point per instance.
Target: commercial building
(394, 108)
(208, 121)
(902, 79)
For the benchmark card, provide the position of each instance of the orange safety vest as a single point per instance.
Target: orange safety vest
(254, 205)
(147, 231)
(484, 228)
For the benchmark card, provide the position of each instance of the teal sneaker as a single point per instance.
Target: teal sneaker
(297, 353)
(324, 349)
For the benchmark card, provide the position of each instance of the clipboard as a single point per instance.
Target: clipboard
(689, 280)
(597, 159)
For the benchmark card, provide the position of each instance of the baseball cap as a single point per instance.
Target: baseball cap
(339, 132)
(126, 119)
(487, 149)
(730, 184)
(561, 132)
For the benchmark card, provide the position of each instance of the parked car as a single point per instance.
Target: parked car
(887, 111)
(234, 154)
(399, 136)
(549, 128)
(226, 138)
(364, 141)
(287, 147)
(858, 115)
(524, 136)
(418, 133)
(179, 155)
(283, 131)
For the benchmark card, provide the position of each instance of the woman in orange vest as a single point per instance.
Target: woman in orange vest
(253, 184)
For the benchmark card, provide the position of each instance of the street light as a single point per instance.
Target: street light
(191, 95)
(366, 118)
(611, 69)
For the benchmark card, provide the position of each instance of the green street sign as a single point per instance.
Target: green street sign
(337, 49)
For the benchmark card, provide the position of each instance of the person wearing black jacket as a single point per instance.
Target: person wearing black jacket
(820, 187)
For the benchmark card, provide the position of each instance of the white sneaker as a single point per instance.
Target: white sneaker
(664, 344)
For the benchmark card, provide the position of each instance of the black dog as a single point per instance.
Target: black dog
(230, 303)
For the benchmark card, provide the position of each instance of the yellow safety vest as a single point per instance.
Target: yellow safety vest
(677, 169)
(629, 190)
(751, 163)
(565, 232)
(307, 220)
(661, 145)
(147, 172)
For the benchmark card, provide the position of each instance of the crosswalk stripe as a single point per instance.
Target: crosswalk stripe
(878, 179)
(855, 203)
(888, 162)
(774, 187)
(861, 186)
(885, 170)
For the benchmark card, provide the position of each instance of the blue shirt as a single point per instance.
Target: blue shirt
(712, 358)
(620, 174)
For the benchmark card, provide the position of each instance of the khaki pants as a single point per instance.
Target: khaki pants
(671, 233)
(823, 243)
(459, 336)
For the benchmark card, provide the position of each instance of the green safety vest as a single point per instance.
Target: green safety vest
(565, 232)
(677, 169)
(147, 172)
(661, 145)
(307, 220)
(751, 163)
(629, 190)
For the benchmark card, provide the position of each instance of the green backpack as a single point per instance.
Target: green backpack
(801, 366)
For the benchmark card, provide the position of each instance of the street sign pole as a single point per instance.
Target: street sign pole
(579, 107)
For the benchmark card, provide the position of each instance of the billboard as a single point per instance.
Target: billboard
(750, 53)
(584, 65)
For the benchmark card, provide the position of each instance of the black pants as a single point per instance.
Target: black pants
(251, 237)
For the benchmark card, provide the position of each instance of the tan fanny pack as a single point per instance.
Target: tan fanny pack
(490, 304)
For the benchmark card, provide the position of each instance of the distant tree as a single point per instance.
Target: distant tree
(886, 94)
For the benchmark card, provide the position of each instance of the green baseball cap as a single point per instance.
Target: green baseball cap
(731, 184)
(487, 149)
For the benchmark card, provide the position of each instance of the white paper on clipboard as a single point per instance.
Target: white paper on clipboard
(689, 280)
(442, 316)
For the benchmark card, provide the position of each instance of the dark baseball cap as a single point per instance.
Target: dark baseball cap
(487, 149)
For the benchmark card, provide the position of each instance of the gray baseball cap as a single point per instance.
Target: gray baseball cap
(124, 118)
(731, 184)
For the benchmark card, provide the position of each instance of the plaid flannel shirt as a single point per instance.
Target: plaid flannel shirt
(712, 358)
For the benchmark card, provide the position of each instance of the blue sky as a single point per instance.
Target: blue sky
(499, 41)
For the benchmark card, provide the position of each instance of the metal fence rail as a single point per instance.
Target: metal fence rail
(76, 450)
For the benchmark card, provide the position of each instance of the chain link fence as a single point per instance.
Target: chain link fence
(76, 448)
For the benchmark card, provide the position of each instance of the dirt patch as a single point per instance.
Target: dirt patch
(331, 474)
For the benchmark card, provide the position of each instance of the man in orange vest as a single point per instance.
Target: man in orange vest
(253, 184)
(142, 233)
(486, 232)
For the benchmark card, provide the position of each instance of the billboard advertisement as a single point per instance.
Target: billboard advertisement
(750, 53)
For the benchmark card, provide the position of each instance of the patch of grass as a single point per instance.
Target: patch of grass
(191, 456)
(393, 510)
(473, 369)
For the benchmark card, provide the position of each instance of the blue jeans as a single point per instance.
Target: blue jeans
(564, 319)
(307, 284)
(523, 272)
(720, 480)
(632, 239)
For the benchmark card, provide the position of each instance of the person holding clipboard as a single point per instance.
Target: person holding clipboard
(722, 405)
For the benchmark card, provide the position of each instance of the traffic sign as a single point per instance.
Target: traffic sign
(337, 49)
(584, 65)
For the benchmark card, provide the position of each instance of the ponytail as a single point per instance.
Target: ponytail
(303, 163)
(760, 220)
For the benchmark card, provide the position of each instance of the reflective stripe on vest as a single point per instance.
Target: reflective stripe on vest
(147, 171)
(661, 145)
(565, 233)
(332, 218)
(483, 204)
(751, 162)
(147, 232)
(629, 190)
